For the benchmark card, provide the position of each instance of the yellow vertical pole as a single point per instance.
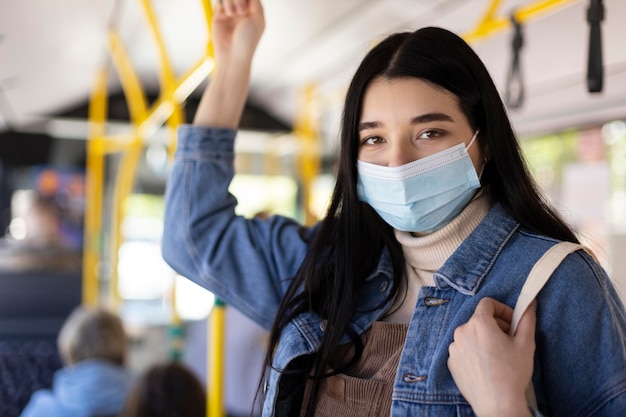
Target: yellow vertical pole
(216, 362)
(166, 75)
(93, 190)
(176, 328)
(93, 221)
(176, 119)
(131, 151)
(309, 159)
(208, 17)
(123, 188)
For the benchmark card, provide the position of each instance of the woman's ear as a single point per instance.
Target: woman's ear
(486, 154)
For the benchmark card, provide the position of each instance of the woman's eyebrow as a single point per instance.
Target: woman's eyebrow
(368, 125)
(431, 117)
(422, 118)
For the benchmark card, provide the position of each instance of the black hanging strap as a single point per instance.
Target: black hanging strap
(514, 93)
(595, 71)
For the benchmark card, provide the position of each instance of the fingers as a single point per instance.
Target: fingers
(489, 310)
(496, 309)
(254, 6)
(234, 7)
(503, 314)
(504, 325)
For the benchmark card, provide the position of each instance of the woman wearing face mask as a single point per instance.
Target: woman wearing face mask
(397, 302)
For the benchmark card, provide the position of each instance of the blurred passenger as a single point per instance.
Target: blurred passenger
(43, 221)
(166, 390)
(39, 244)
(94, 382)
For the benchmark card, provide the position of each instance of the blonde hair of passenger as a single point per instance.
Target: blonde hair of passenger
(92, 333)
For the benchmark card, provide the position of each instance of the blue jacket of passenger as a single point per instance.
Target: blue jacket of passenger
(89, 388)
(580, 359)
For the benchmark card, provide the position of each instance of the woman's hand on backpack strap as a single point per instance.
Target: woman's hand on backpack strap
(491, 368)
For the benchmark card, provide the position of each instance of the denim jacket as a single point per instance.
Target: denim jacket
(580, 359)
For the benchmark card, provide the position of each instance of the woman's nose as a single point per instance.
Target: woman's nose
(400, 154)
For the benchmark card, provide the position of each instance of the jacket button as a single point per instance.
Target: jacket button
(323, 324)
(413, 378)
(434, 302)
(383, 286)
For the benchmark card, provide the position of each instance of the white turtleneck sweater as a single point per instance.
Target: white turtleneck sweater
(424, 255)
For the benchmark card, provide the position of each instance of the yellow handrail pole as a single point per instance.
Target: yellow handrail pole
(177, 118)
(161, 109)
(193, 77)
(538, 8)
(168, 108)
(123, 187)
(93, 189)
(487, 17)
(139, 114)
(137, 106)
(145, 121)
(93, 221)
(166, 75)
(307, 133)
(215, 386)
(116, 143)
(176, 329)
(489, 25)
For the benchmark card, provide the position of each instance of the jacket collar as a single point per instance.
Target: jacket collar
(463, 271)
(378, 285)
(470, 263)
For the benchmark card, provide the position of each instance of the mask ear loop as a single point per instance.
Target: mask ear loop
(472, 141)
(485, 159)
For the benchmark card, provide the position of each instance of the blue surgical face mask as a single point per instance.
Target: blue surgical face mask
(421, 196)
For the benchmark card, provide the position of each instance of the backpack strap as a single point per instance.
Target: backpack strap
(537, 278)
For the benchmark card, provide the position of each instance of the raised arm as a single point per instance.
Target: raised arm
(237, 29)
(247, 263)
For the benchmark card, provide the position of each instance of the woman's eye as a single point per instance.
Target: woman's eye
(430, 134)
(371, 140)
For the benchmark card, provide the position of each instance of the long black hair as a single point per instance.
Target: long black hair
(352, 236)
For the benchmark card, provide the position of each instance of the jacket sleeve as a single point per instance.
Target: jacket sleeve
(248, 263)
(581, 342)
(43, 403)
